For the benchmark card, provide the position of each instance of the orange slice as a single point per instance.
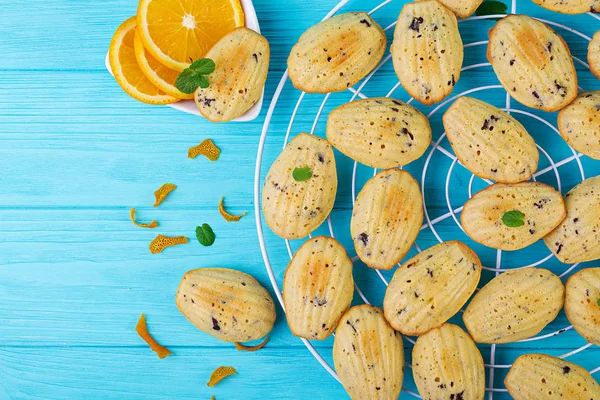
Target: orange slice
(126, 70)
(162, 77)
(177, 31)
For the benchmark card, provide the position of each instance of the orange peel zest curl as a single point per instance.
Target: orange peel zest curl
(228, 217)
(142, 329)
(207, 148)
(161, 242)
(219, 374)
(242, 347)
(163, 192)
(152, 224)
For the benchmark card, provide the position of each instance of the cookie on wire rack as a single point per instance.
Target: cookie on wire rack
(515, 305)
(317, 288)
(489, 142)
(532, 62)
(543, 377)
(593, 55)
(336, 53)
(368, 355)
(462, 8)
(379, 132)
(582, 303)
(579, 124)
(570, 6)
(427, 51)
(447, 364)
(300, 188)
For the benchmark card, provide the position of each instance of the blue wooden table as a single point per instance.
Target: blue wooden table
(76, 154)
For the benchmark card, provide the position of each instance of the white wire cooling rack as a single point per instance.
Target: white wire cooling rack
(438, 148)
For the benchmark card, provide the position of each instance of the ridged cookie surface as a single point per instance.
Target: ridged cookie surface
(427, 50)
(334, 54)
(570, 6)
(581, 303)
(431, 287)
(532, 62)
(483, 215)
(489, 142)
(594, 54)
(577, 238)
(317, 288)
(386, 218)
(379, 132)
(542, 377)
(293, 209)
(515, 305)
(227, 304)
(579, 124)
(447, 365)
(462, 8)
(368, 355)
(241, 64)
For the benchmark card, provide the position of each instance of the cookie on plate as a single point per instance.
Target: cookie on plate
(447, 364)
(532, 62)
(570, 6)
(386, 218)
(368, 355)
(379, 132)
(582, 303)
(542, 377)
(336, 53)
(462, 8)
(299, 190)
(515, 305)
(576, 239)
(431, 287)
(489, 142)
(579, 124)
(512, 216)
(241, 64)
(317, 288)
(594, 54)
(427, 50)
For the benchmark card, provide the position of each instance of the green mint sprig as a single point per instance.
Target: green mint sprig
(492, 7)
(513, 219)
(301, 174)
(194, 76)
(205, 235)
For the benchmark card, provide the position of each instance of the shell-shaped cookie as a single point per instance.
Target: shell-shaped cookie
(542, 377)
(317, 288)
(241, 64)
(570, 6)
(227, 304)
(336, 53)
(386, 219)
(427, 51)
(448, 365)
(368, 355)
(581, 303)
(483, 215)
(579, 124)
(577, 238)
(532, 62)
(293, 208)
(515, 305)
(462, 8)
(431, 287)
(489, 142)
(379, 132)
(594, 54)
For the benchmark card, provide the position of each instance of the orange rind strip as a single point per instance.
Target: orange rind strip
(142, 330)
(219, 374)
(163, 192)
(228, 217)
(242, 347)
(152, 224)
(207, 148)
(161, 242)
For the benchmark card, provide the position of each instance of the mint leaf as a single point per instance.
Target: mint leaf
(301, 174)
(185, 82)
(513, 219)
(205, 235)
(203, 66)
(491, 7)
(194, 76)
(598, 302)
(203, 81)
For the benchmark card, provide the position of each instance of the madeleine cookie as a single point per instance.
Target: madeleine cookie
(241, 64)
(225, 303)
(336, 53)
(579, 124)
(317, 288)
(431, 287)
(294, 208)
(427, 51)
(380, 132)
(489, 142)
(577, 238)
(570, 6)
(386, 219)
(462, 8)
(542, 377)
(582, 303)
(594, 54)
(532, 62)
(512, 216)
(368, 355)
(515, 305)
(447, 365)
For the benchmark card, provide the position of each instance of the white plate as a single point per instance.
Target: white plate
(188, 106)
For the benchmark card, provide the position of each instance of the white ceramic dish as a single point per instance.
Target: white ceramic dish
(188, 106)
